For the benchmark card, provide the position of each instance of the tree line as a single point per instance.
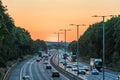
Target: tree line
(15, 42)
(90, 43)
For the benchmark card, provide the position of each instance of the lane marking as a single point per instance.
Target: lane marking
(23, 67)
(30, 69)
(22, 71)
(36, 71)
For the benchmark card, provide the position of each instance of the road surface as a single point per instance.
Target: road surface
(36, 70)
(88, 76)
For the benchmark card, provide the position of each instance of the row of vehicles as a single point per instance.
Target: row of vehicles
(48, 66)
(54, 73)
(95, 63)
(44, 58)
(94, 69)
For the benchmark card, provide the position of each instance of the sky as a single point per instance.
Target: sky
(44, 18)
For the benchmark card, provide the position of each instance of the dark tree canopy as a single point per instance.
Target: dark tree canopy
(15, 42)
(91, 41)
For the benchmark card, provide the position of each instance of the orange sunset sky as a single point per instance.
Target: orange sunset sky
(42, 18)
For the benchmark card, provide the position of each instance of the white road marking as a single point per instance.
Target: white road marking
(22, 71)
(31, 68)
(23, 67)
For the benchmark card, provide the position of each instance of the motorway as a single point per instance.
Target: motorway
(88, 76)
(36, 70)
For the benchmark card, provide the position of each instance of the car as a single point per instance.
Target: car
(38, 60)
(74, 68)
(86, 68)
(69, 65)
(118, 77)
(64, 63)
(55, 74)
(82, 71)
(41, 58)
(45, 62)
(95, 72)
(61, 61)
(27, 77)
(75, 64)
(48, 67)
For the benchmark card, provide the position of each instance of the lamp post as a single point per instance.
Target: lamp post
(77, 40)
(103, 25)
(58, 33)
(65, 30)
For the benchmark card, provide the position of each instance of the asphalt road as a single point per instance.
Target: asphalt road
(89, 76)
(36, 70)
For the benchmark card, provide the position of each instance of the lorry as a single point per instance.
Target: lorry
(96, 63)
(74, 56)
(39, 54)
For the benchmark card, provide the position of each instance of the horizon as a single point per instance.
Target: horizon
(42, 18)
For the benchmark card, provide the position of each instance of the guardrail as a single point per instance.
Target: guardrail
(61, 70)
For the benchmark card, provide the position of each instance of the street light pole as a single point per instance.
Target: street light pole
(77, 40)
(103, 48)
(103, 27)
(103, 17)
(77, 46)
(65, 31)
(65, 40)
(58, 45)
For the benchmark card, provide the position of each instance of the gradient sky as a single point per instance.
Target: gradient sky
(42, 18)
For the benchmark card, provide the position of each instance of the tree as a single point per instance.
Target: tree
(41, 44)
(15, 42)
(90, 43)
(73, 46)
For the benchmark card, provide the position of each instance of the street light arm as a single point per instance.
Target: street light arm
(65, 29)
(77, 25)
(105, 16)
(72, 24)
(95, 16)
